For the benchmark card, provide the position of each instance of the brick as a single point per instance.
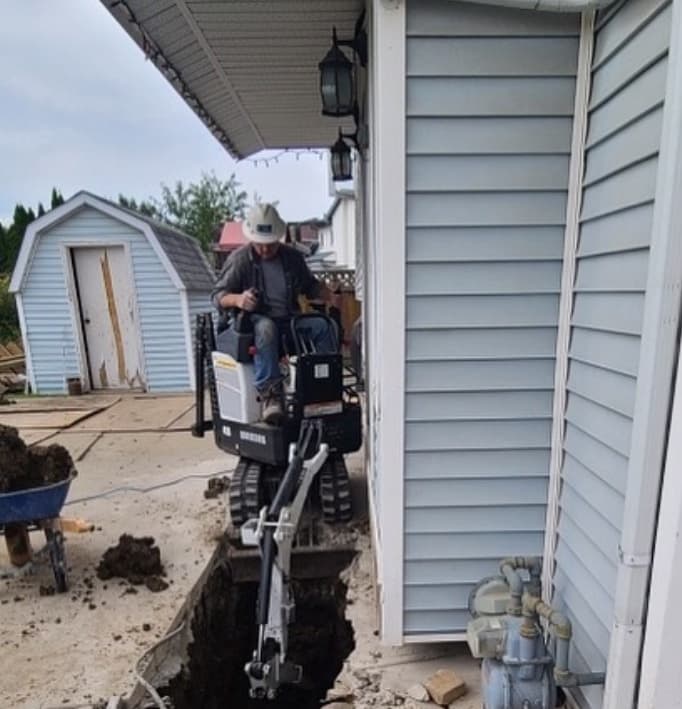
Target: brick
(444, 687)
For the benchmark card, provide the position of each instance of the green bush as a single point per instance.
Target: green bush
(9, 322)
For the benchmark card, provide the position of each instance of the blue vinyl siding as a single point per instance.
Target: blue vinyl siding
(50, 328)
(490, 97)
(198, 303)
(623, 139)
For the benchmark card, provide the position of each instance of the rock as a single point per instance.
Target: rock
(385, 698)
(361, 679)
(418, 692)
(444, 687)
(339, 692)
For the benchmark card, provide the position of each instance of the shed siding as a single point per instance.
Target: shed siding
(624, 132)
(198, 303)
(48, 310)
(490, 97)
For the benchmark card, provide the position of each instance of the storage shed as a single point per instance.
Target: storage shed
(108, 296)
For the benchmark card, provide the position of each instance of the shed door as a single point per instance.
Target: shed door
(106, 297)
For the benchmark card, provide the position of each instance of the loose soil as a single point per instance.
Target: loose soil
(216, 487)
(22, 468)
(136, 559)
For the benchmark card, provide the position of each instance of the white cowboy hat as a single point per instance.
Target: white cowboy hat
(263, 225)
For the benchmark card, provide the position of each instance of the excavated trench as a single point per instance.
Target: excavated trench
(223, 634)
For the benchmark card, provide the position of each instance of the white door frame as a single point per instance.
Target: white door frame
(74, 307)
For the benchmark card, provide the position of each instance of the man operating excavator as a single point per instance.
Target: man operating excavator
(265, 278)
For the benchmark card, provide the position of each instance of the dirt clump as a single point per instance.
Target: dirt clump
(216, 487)
(137, 560)
(23, 468)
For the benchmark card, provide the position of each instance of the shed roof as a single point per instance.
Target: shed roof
(186, 255)
(181, 254)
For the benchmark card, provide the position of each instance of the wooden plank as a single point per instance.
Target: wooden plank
(139, 413)
(43, 404)
(44, 420)
(12, 364)
(78, 444)
(14, 349)
(34, 436)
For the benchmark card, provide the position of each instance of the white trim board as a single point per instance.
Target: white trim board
(652, 402)
(575, 190)
(435, 638)
(660, 677)
(77, 202)
(189, 349)
(30, 372)
(388, 65)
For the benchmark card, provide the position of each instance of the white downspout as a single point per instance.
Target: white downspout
(574, 202)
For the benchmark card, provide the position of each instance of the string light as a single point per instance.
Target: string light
(283, 153)
(153, 53)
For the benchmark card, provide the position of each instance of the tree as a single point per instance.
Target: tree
(56, 199)
(199, 209)
(148, 209)
(10, 243)
(11, 238)
(9, 322)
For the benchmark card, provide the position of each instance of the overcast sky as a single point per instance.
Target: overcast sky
(80, 108)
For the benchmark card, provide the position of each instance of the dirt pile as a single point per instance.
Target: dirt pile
(22, 468)
(135, 559)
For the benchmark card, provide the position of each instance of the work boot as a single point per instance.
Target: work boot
(273, 404)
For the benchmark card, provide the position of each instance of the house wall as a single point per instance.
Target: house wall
(624, 133)
(490, 96)
(48, 310)
(343, 233)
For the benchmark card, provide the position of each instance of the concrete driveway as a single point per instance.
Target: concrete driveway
(68, 651)
(72, 649)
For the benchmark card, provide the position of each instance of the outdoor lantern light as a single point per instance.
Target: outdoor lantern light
(336, 82)
(342, 168)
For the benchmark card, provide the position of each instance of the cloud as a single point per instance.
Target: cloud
(80, 108)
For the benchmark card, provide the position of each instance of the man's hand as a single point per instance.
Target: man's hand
(248, 300)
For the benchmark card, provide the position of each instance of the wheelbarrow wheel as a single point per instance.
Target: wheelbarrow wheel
(55, 548)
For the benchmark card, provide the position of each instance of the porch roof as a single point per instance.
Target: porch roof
(248, 69)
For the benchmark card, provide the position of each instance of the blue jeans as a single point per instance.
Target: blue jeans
(268, 335)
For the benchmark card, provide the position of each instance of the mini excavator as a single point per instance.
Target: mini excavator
(283, 470)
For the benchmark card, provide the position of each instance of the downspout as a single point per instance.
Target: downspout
(574, 6)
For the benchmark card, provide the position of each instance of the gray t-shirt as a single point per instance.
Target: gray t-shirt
(275, 296)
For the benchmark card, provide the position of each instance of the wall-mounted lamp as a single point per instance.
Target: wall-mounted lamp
(341, 161)
(337, 85)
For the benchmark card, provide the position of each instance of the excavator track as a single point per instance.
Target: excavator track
(335, 497)
(245, 491)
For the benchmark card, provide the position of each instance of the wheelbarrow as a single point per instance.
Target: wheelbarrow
(39, 508)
